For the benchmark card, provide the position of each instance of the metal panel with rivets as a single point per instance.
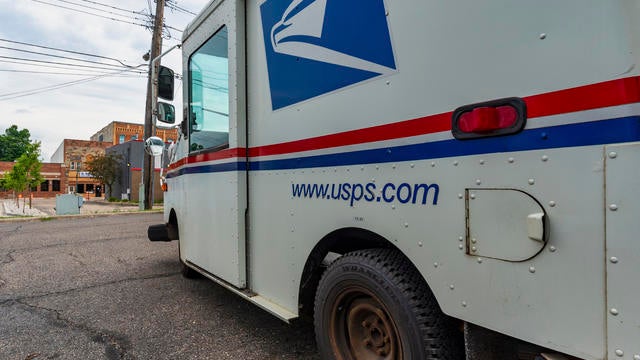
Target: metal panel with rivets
(623, 253)
(364, 140)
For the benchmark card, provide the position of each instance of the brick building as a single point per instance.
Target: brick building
(54, 180)
(118, 132)
(73, 155)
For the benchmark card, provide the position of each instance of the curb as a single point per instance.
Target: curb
(58, 217)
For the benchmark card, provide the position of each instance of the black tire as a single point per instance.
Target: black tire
(373, 304)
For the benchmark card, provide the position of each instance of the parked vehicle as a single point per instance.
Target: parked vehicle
(417, 175)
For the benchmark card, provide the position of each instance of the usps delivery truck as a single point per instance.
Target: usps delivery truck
(424, 179)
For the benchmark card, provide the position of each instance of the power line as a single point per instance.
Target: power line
(146, 26)
(89, 13)
(173, 5)
(105, 11)
(67, 73)
(59, 63)
(109, 6)
(59, 56)
(58, 67)
(62, 50)
(18, 94)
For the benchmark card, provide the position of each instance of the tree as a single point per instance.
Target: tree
(105, 168)
(14, 143)
(25, 173)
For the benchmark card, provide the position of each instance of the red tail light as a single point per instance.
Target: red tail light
(493, 118)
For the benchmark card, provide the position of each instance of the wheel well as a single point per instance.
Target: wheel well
(338, 242)
(172, 226)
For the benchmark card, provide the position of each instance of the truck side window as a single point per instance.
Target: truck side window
(209, 94)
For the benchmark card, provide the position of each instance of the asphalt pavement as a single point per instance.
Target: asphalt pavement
(94, 287)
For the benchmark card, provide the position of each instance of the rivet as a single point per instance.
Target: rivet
(451, 287)
(377, 167)
(455, 163)
(435, 264)
(388, 151)
(545, 158)
(619, 352)
(636, 357)
(393, 166)
(472, 196)
(532, 269)
(474, 240)
(406, 225)
(388, 82)
(543, 36)
(552, 203)
(474, 249)
(393, 207)
(433, 164)
(460, 247)
(614, 260)
(386, 13)
(478, 182)
(459, 196)
(464, 304)
(362, 168)
(420, 243)
(412, 165)
(552, 248)
(613, 155)
(481, 162)
(614, 311)
(479, 260)
(613, 207)
(460, 238)
(532, 181)
(544, 136)
(511, 160)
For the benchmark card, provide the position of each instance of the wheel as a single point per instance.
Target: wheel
(373, 304)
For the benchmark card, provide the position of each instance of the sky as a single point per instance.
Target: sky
(29, 93)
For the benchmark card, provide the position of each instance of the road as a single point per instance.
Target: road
(96, 288)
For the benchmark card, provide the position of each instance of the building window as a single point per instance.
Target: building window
(169, 140)
(44, 186)
(72, 165)
(134, 137)
(34, 188)
(55, 185)
(101, 137)
(120, 139)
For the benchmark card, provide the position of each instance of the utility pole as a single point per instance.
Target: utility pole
(156, 48)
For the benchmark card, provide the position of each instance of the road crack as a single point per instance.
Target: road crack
(94, 286)
(4, 260)
(115, 345)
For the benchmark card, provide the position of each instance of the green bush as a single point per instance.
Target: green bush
(113, 199)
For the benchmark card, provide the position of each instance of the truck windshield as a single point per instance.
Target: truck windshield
(209, 94)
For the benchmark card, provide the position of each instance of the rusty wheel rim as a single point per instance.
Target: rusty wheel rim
(361, 327)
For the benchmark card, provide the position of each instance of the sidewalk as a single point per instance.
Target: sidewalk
(45, 207)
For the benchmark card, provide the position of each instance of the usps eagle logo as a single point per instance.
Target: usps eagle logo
(314, 47)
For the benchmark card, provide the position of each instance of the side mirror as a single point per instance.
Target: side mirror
(165, 83)
(166, 113)
(154, 146)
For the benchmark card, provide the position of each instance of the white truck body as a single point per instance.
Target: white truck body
(340, 122)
